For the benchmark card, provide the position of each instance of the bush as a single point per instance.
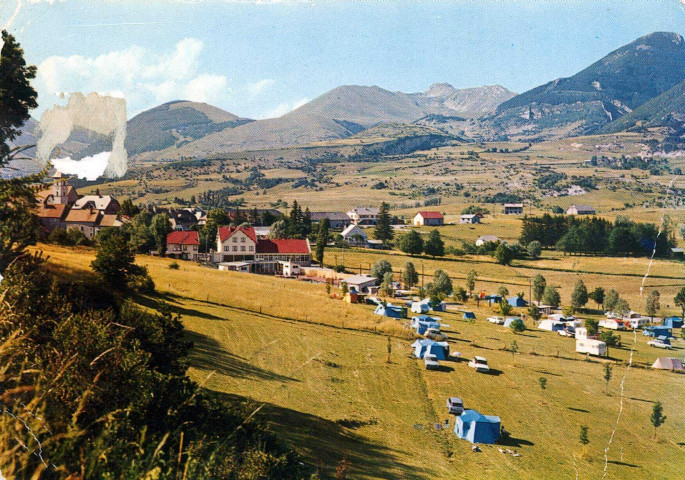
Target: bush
(517, 326)
(174, 266)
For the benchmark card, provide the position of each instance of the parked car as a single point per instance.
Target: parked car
(658, 343)
(480, 364)
(455, 406)
(435, 334)
(567, 332)
(431, 362)
(496, 320)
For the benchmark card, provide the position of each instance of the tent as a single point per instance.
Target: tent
(668, 363)
(423, 323)
(673, 322)
(517, 302)
(551, 325)
(441, 350)
(469, 316)
(493, 299)
(392, 311)
(477, 428)
(420, 307)
(657, 332)
(509, 320)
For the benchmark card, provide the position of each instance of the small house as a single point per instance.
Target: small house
(513, 209)
(470, 218)
(364, 215)
(517, 302)
(551, 325)
(580, 210)
(668, 363)
(182, 244)
(355, 236)
(612, 324)
(477, 428)
(544, 309)
(440, 350)
(428, 219)
(487, 239)
(391, 311)
(469, 316)
(591, 346)
(677, 252)
(360, 283)
(657, 332)
(673, 322)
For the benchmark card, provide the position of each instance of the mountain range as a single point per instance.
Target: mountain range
(639, 84)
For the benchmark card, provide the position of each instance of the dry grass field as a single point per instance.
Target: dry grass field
(331, 393)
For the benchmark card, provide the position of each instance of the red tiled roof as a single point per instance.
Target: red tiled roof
(183, 238)
(51, 211)
(227, 232)
(290, 245)
(431, 214)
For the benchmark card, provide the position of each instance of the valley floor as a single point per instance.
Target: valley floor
(327, 388)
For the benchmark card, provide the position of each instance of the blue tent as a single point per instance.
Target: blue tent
(423, 323)
(493, 299)
(469, 316)
(657, 332)
(440, 349)
(673, 322)
(477, 428)
(508, 320)
(517, 302)
(390, 311)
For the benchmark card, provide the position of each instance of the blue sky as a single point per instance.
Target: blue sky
(262, 58)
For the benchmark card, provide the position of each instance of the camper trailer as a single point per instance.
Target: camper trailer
(612, 324)
(636, 323)
(592, 347)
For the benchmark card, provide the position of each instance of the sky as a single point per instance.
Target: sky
(262, 58)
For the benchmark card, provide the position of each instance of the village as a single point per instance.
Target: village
(404, 296)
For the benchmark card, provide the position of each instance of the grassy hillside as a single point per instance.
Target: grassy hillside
(331, 393)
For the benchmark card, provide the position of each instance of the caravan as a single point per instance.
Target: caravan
(612, 324)
(592, 347)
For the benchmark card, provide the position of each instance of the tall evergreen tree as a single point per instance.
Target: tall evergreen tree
(539, 284)
(383, 230)
(434, 246)
(411, 243)
(410, 276)
(321, 240)
(579, 297)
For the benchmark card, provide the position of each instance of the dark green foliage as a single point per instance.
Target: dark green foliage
(434, 246)
(534, 249)
(611, 299)
(129, 209)
(584, 440)
(379, 269)
(657, 417)
(579, 296)
(18, 225)
(114, 260)
(597, 296)
(160, 228)
(503, 254)
(551, 297)
(534, 313)
(215, 219)
(441, 285)
(411, 243)
(611, 339)
(592, 326)
(410, 276)
(322, 239)
(539, 284)
(652, 304)
(679, 300)
(383, 230)
(517, 326)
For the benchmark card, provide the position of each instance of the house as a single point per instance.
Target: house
(336, 220)
(551, 325)
(672, 322)
(428, 219)
(51, 215)
(477, 428)
(668, 363)
(364, 215)
(182, 219)
(513, 209)
(84, 220)
(470, 218)
(355, 236)
(236, 266)
(236, 243)
(392, 311)
(544, 309)
(612, 324)
(677, 252)
(591, 346)
(517, 302)
(423, 323)
(108, 220)
(487, 239)
(183, 244)
(360, 283)
(423, 347)
(580, 210)
(101, 203)
(59, 193)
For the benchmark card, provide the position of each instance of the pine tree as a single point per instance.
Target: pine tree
(321, 240)
(410, 276)
(411, 243)
(434, 246)
(652, 304)
(657, 418)
(383, 230)
(579, 297)
(539, 284)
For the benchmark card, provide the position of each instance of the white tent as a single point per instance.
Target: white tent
(668, 363)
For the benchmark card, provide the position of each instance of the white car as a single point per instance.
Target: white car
(659, 344)
(496, 320)
(480, 364)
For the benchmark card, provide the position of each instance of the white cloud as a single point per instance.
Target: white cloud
(285, 107)
(136, 74)
(89, 168)
(258, 87)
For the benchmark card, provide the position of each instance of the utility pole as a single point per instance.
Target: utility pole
(422, 275)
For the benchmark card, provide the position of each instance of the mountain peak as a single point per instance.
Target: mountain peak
(440, 90)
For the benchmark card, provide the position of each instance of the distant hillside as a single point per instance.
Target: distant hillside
(606, 90)
(660, 111)
(176, 123)
(466, 102)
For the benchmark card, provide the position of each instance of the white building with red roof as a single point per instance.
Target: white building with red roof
(183, 244)
(428, 219)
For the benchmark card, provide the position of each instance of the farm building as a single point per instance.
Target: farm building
(591, 346)
(428, 219)
(673, 322)
(360, 283)
(470, 218)
(355, 236)
(580, 210)
(469, 316)
(391, 311)
(487, 239)
(423, 323)
(668, 363)
(657, 332)
(513, 209)
(336, 220)
(517, 302)
(440, 350)
(477, 428)
(551, 325)
(364, 215)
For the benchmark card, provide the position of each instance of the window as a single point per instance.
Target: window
(235, 248)
(252, 248)
(242, 239)
(235, 239)
(242, 248)
(225, 248)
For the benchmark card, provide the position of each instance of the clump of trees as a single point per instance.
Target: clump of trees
(413, 244)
